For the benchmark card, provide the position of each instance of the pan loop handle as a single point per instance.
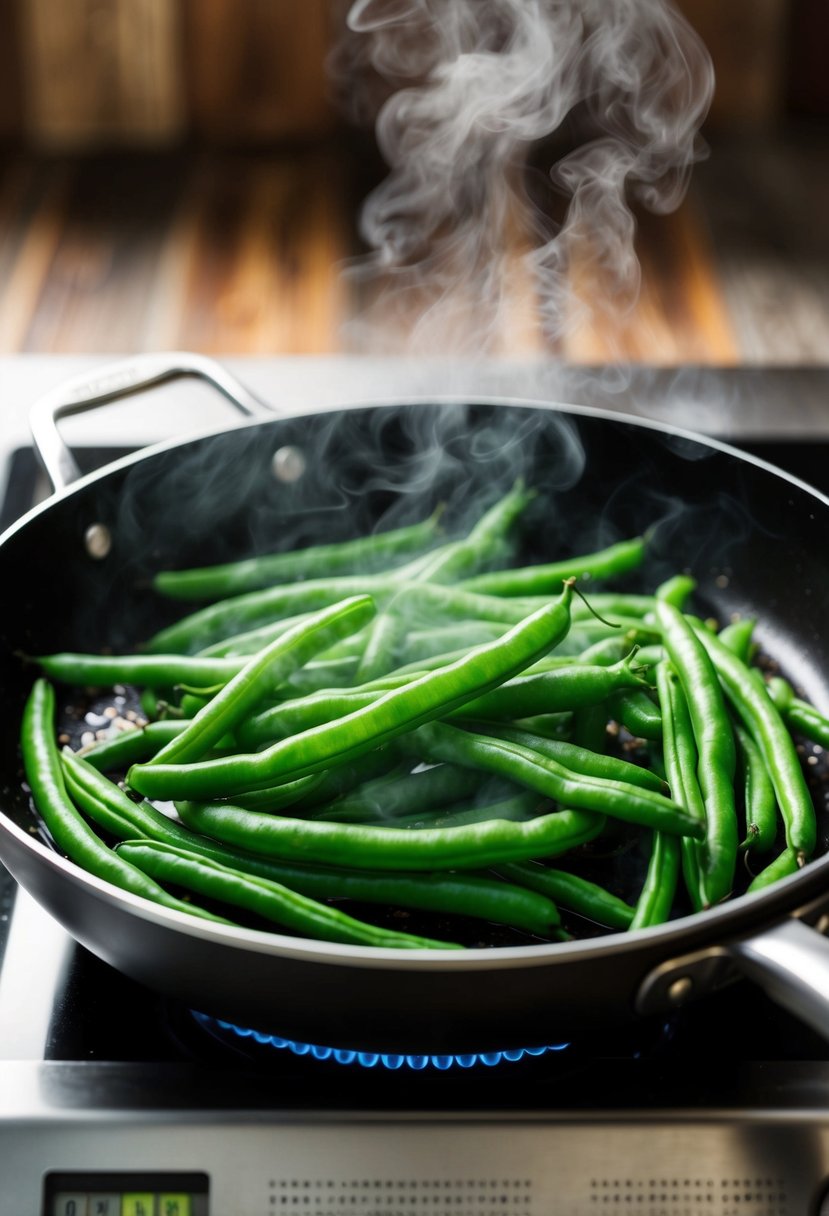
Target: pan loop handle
(114, 381)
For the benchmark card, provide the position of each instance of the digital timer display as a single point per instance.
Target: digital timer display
(125, 1194)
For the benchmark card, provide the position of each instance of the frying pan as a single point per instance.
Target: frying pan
(756, 539)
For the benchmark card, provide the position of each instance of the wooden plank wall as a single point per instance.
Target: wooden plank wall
(179, 179)
(77, 74)
(127, 73)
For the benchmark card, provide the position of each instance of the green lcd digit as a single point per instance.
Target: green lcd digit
(174, 1205)
(138, 1204)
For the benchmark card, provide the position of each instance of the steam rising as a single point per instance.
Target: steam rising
(613, 92)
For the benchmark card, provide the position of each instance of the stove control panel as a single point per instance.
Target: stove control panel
(422, 1164)
(125, 1194)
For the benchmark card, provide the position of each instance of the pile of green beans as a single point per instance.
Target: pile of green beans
(407, 723)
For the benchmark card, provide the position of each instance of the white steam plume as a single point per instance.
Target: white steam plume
(614, 90)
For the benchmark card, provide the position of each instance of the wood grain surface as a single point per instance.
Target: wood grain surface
(235, 253)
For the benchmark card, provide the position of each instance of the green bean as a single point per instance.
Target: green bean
(784, 864)
(635, 710)
(267, 899)
(106, 813)
(155, 670)
(132, 745)
(44, 775)
(548, 726)
(419, 603)
(252, 640)
(397, 711)
(761, 717)
(320, 673)
(476, 549)
(389, 630)
(528, 767)
(240, 613)
(318, 561)
(588, 728)
(676, 590)
(305, 794)
(564, 688)
(679, 751)
(537, 580)
(423, 645)
(656, 898)
(459, 894)
(715, 747)
(649, 656)
(291, 717)
(737, 636)
(402, 793)
(518, 808)
(579, 759)
(572, 892)
(381, 646)
(149, 701)
(468, 895)
(266, 669)
(376, 847)
(758, 794)
(800, 717)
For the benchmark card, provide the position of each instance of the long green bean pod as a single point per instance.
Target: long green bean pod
(572, 892)
(758, 794)
(44, 775)
(401, 709)
(715, 747)
(377, 847)
(457, 894)
(617, 799)
(264, 670)
(759, 714)
(485, 537)
(679, 752)
(266, 898)
(536, 580)
(657, 896)
(240, 613)
(154, 670)
(800, 717)
(365, 553)
(784, 864)
(580, 759)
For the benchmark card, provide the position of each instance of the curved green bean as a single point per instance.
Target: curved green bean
(715, 747)
(398, 710)
(376, 847)
(266, 898)
(264, 670)
(316, 561)
(536, 580)
(572, 892)
(44, 775)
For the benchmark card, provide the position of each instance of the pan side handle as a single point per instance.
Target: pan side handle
(113, 381)
(790, 962)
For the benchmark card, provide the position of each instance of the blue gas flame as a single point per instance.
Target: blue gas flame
(379, 1060)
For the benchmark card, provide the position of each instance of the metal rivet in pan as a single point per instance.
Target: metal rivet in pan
(97, 540)
(679, 991)
(288, 464)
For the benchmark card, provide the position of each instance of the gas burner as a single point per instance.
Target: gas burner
(228, 1033)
